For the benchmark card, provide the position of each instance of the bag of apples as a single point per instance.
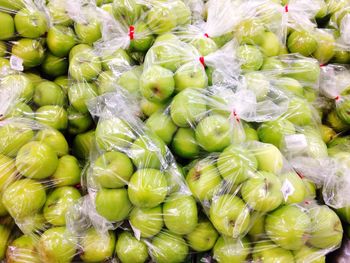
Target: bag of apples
(135, 185)
(39, 183)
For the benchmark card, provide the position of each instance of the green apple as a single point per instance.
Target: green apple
(23, 249)
(68, 171)
(273, 64)
(112, 170)
(336, 122)
(268, 252)
(293, 188)
(54, 66)
(250, 133)
(290, 85)
(143, 37)
(257, 228)
(97, 247)
(85, 66)
(30, 23)
(309, 254)
(341, 56)
(262, 192)
(302, 42)
(203, 179)
(88, 32)
(49, 93)
(4, 63)
(130, 80)
(162, 125)
(344, 214)
(3, 211)
(21, 109)
(251, 57)
(326, 230)
(60, 40)
(21, 84)
(204, 45)
(118, 60)
(167, 247)
(325, 47)
(250, 31)
(54, 139)
(30, 51)
(304, 70)
(274, 131)
(167, 37)
(81, 92)
(288, 226)
(270, 44)
(236, 164)
(188, 107)
(227, 250)
(229, 215)
(127, 10)
(190, 76)
(299, 112)
(113, 204)
(106, 82)
(80, 48)
(136, 251)
(57, 204)
(161, 19)
(114, 133)
(327, 133)
(5, 236)
(146, 222)
(7, 30)
(150, 107)
(184, 143)
(316, 147)
(182, 12)
(157, 83)
(335, 5)
(143, 153)
(58, 13)
(83, 143)
(78, 122)
(180, 208)
(56, 245)
(342, 111)
(223, 39)
(203, 237)
(147, 188)
(36, 160)
(8, 171)
(13, 136)
(24, 198)
(12, 5)
(258, 83)
(53, 116)
(63, 82)
(269, 157)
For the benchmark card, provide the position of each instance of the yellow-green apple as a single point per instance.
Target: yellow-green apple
(60, 40)
(180, 208)
(161, 19)
(182, 12)
(83, 143)
(136, 251)
(12, 5)
(127, 10)
(257, 228)
(81, 92)
(162, 125)
(21, 109)
(302, 42)
(30, 23)
(184, 143)
(250, 31)
(57, 245)
(270, 44)
(23, 249)
(341, 56)
(293, 188)
(203, 179)
(79, 49)
(336, 122)
(147, 188)
(344, 214)
(78, 122)
(228, 249)
(309, 254)
(146, 222)
(97, 247)
(57, 204)
(290, 85)
(3, 211)
(325, 47)
(130, 80)
(143, 37)
(89, 31)
(327, 133)
(54, 139)
(20, 84)
(204, 45)
(49, 93)
(112, 170)
(67, 172)
(299, 112)
(304, 70)
(188, 107)
(190, 76)
(275, 131)
(258, 83)
(168, 245)
(288, 226)
(7, 30)
(30, 51)
(52, 115)
(106, 82)
(267, 251)
(53, 66)
(315, 145)
(85, 66)
(24, 198)
(203, 237)
(150, 107)
(113, 204)
(269, 157)
(58, 12)
(273, 64)
(250, 57)
(63, 82)
(119, 59)
(8, 171)
(5, 236)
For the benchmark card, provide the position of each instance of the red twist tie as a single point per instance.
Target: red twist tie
(78, 186)
(131, 32)
(206, 35)
(286, 8)
(236, 116)
(300, 175)
(322, 65)
(307, 202)
(337, 98)
(201, 60)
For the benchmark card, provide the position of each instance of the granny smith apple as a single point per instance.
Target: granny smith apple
(203, 237)
(30, 51)
(204, 45)
(315, 145)
(147, 188)
(228, 249)
(188, 107)
(83, 143)
(88, 32)
(54, 139)
(162, 125)
(80, 48)
(79, 93)
(56, 245)
(327, 133)
(112, 170)
(290, 85)
(58, 12)
(161, 19)
(344, 214)
(250, 31)
(12, 5)
(67, 172)
(274, 131)
(150, 107)
(146, 222)
(293, 188)
(270, 44)
(49, 93)
(167, 245)
(130, 80)
(23, 249)
(180, 208)
(273, 64)
(54, 66)
(106, 82)
(269, 157)
(136, 251)
(8, 26)
(258, 83)
(299, 112)
(24, 198)
(62, 81)
(53, 116)
(3, 211)
(288, 226)
(203, 179)
(182, 12)
(57, 204)
(302, 42)
(325, 47)
(8, 171)
(267, 251)
(128, 10)
(5, 235)
(30, 23)
(304, 70)
(21, 109)
(341, 56)
(257, 228)
(336, 122)
(20, 84)
(184, 143)
(118, 60)
(85, 66)
(60, 40)
(251, 57)
(309, 254)
(190, 76)
(143, 37)
(78, 122)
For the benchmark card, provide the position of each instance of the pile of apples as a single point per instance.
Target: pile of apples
(174, 130)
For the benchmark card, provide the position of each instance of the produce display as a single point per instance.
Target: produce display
(174, 131)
